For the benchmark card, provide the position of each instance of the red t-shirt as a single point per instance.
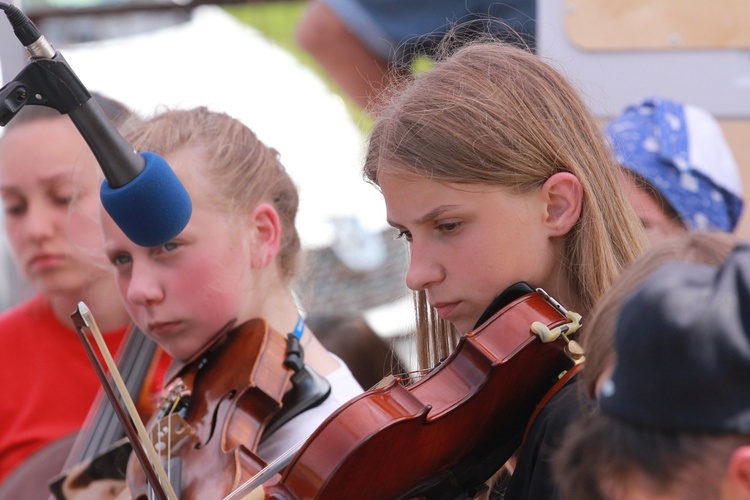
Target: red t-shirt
(47, 383)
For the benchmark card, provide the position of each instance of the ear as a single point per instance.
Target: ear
(564, 197)
(738, 472)
(265, 228)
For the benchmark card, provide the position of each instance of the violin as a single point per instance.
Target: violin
(216, 410)
(446, 434)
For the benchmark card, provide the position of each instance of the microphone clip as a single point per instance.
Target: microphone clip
(44, 82)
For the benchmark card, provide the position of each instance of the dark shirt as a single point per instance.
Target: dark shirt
(532, 478)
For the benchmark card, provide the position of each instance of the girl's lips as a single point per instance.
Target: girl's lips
(45, 261)
(444, 310)
(162, 328)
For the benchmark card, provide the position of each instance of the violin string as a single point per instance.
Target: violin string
(169, 449)
(412, 376)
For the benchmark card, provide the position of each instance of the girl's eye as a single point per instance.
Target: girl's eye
(63, 201)
(14, 209)
(403, 234)
(120, 259)
(169, 246)
(449, 227)
(61, 195)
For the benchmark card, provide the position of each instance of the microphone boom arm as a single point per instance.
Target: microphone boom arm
(140, 191)
(52, 83)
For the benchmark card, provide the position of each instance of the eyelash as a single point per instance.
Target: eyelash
(63, 200)
(449, 227)
(403, 235)
(445, 228)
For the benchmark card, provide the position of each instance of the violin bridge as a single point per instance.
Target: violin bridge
(169, 433)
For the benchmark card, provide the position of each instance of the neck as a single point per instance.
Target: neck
(560, 287)
(271, 299)
(101, 296)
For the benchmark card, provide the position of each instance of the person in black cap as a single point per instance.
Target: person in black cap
(674, 417)
(696, 247)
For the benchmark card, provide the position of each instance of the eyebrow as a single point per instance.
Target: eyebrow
(49, 181)
(429, 216)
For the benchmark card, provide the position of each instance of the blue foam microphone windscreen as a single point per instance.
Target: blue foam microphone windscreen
(152, 208)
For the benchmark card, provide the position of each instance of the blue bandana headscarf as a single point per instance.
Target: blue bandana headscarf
(680, 151)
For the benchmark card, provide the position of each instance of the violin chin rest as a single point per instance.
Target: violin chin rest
(513, 292)
(308, 391)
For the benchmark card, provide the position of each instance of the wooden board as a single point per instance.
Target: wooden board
(737, 133)
(619, 25)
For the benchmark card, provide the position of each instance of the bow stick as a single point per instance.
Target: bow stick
(143, 448)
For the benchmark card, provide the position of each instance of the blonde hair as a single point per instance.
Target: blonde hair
(242, 170)
(491, 113)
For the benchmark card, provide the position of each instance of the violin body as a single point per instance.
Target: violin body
(233, 388)
(447, 433)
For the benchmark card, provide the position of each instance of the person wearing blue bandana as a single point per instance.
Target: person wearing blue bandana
(680, 173)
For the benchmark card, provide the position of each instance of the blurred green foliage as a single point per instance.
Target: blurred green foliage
(277, 21)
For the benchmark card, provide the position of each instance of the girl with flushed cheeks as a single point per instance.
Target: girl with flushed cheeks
(495, 172)
(232, 263)
(213, 274)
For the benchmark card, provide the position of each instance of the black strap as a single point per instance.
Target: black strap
(308, 388)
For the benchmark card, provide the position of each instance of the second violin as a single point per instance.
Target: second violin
(448, 433)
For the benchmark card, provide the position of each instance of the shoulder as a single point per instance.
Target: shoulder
(33, 311)
(343, 384)
(546, 432)
(567, 405)
(532, 477)
(343, 388)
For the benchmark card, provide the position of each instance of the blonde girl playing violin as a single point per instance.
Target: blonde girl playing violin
(494, 172)
(234, 260)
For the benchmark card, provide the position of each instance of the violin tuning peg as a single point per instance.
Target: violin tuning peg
(574, 351)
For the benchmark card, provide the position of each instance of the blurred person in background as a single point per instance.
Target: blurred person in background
(679, 172)
(49, 185)
(366, 45)
(673, 417)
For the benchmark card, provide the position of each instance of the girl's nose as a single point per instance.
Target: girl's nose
(144, 287)
(42, 223)
(424, 270)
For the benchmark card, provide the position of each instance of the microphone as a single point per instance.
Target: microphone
(140, 191)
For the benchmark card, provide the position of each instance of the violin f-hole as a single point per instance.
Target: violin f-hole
(215, 417)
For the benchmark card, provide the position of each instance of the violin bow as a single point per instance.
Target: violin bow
(131, 421)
